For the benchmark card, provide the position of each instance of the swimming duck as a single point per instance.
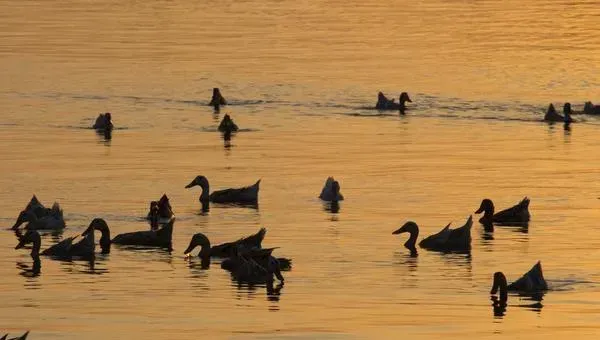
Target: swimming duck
(227, 125)
(447, 239)
(54, 221)
(103, 122)
(161, 209)
(331, 191)
(386, 104)
(591, 109)
(36, 207)
(63, 249)
(217, 99)
(22, 337)
(553, 116)
(531, 282)
(253, 266)
(161, 238)
(241, 255)
(516, 215)
(245, 195)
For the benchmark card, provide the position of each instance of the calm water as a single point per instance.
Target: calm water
(299, 75)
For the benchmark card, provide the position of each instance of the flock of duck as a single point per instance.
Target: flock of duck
(245, 258)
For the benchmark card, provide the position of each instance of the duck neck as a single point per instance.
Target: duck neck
(104, 239)
(205, 195)
(204, 252)
(500, 285)
(488, 215)
(411, 243)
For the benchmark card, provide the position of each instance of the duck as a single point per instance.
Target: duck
(447, 239)
(53, 221)
(161, 209)
(385, 104)
(245, 195)
(22, 337)
(217, 99)
(591, 109)
(84, 248)
(331, 191)
(161, 238)
(553, 116)
(515, 215)
(103, 122)
(227, 125)
(531, 282)
(240, 256)
(36, 207)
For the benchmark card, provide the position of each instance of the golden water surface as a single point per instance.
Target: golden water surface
(300, 76)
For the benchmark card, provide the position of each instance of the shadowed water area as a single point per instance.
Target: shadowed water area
(301, 77)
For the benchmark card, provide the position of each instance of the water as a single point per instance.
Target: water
(299, 75)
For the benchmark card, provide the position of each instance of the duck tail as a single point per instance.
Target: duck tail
(285, 264)
(525, 202)
(56, 209)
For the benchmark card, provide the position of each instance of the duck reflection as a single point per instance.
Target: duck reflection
(332, 207)
(30, 271)
(105, 136)
(499, 304)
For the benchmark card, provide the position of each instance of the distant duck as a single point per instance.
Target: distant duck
(227, 125)
(245, 195)
(531, 282)
(22, 337)
(161, 209)
(63, 249)
(244, 258)
(103, 122)
(331, 191)
(447, 239)
(553, 116)
(386, 104)
(217, 99)
(515, 215)
(591, 109)
(53, 221)
(161, 238)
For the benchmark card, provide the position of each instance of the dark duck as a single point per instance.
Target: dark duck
(516, 215)
(447, 239)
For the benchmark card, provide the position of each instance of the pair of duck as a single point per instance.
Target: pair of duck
(39, 217)
(383, 103)
(553, 116)
(85, 247)
(459, 239)
(103, 122)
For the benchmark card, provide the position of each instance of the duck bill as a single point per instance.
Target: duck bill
(17, 224)
(480, 210)
(398, 231)
(190, 185)
(189, 249)
(20, 245)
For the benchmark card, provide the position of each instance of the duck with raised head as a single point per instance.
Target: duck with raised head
(447, 239)
(531, 282)
(161, 238)
(245, 195)
(161, 209)
(217, 99)
(515, 215)
(241, 255)
(331, 191)
(553, 116)
(227, 125)
(386, 104)
(64, 249)
(53, 221)
(103, 122)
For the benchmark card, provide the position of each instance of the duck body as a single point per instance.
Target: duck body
(245, 195)
(591, 109)
(383, 103)
(227, 125)
(217, 98)
(103, 122)
(515, 215)
(447, 239)
(37, 208)
(161, 238)
(253, 266)
(331, 191)
(52, 221)
(22, 337)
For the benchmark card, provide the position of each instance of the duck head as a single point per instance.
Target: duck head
(203, 183)
(413, 229)
(404, 98)
(486, 206)
(31, 236)
(500, 284)
(201, 240)
(100, 225)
